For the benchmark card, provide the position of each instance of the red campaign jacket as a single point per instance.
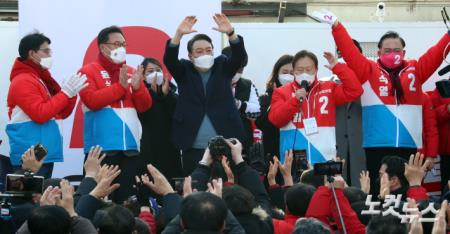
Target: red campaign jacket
(110, 110)
(430, 133)
(34, 101)
(400, 127)
(323, 207)
(284, 226)
(148, 218)
(417, 193)
(37, 93)
(321, 103)
(443, 120)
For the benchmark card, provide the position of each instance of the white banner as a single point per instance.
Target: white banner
(73, 26)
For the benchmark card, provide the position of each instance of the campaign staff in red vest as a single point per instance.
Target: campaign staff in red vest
(305, 109)
(115, 94)
(35, 100)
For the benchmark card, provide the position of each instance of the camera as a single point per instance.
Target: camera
(381, 11)
(23, 185)
(218, 147)
(329, 168)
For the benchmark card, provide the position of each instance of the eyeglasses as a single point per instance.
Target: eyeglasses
(118, 44)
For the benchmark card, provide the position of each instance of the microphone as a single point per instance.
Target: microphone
(444, 70)
(304, 84)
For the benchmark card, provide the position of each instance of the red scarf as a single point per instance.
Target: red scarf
(394, 77)
(113, 69)
(51, 84)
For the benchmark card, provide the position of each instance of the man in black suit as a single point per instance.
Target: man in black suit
(205, 106)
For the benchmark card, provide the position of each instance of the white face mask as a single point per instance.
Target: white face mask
(158, 75)
(46, 63)
(304, 76)
(118, 55)
(236, 77)
(205, 61)
(285, 78)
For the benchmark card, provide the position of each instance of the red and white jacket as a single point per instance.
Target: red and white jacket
(110, 110)
(387, 123)
(288, 113)
(35, 100)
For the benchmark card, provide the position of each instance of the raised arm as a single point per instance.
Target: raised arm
(173, 46)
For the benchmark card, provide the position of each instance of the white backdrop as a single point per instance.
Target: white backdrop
(71, 28)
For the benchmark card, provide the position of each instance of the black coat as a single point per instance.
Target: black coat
(242, 93)
(218, 102)
(271, 134)
(156, 142)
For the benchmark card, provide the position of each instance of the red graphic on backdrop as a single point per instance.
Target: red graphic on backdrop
(144, 41)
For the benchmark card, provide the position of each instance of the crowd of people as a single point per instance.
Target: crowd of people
(199, 150)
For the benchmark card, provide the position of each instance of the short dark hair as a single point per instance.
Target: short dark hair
(238, 199)
(310, 226)
(309, 177)
(354, 194)
(395, 166)
(198, 37)
(103, 35)
(356, 43)
(49, 220)
(146, 61)
(33, 42)
(116, 220)
(358, 207)
(305, 54)
(390, 35)
(142, 227)
(227, 52)
(388, 224)
(273, 79)
(203, 211)
(295, 205)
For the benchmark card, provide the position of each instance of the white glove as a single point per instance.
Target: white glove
(74, 85)
(324, 16)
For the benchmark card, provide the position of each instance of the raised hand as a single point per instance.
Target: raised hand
(159, 184)
(49, 196)
(215, 187)
(104, 187)
(123, 76)
(228, 171)
(137, 77)
(332, 60)
(364, 180)
(223, 24)
(236, 150)
(415, 169)
(29, 161)
(273, 169)
(325, 16)
(93, 161)
(186, 26)
(66, 200)
(286, 168)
